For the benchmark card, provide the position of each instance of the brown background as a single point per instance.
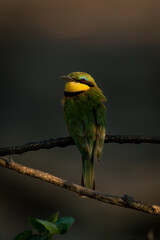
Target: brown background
(118, 43)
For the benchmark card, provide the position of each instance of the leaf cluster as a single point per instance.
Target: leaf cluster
(45, 229)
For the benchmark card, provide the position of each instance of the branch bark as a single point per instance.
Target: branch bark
(125, 201)
(64, 142)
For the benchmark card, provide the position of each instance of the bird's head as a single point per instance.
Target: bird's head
(78, 81)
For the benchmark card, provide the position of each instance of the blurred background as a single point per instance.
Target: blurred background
(118, 43)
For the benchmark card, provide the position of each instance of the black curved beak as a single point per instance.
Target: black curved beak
(69, 79)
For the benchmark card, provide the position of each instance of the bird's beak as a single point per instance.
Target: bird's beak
(69, 79)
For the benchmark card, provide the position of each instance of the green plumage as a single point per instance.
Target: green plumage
(85, 116)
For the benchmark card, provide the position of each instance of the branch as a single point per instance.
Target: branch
(125, 201)
(63, 142)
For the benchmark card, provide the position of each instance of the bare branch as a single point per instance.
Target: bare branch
(63, 142)
(125, 201)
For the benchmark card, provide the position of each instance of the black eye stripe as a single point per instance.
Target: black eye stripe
(89, 84)
(84, 81)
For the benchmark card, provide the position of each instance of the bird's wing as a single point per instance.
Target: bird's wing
(81, 125)
(100, 113)
(87, 128)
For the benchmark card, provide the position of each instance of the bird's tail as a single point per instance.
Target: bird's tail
(88, 176)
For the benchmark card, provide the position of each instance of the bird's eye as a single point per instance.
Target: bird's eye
(83, 79)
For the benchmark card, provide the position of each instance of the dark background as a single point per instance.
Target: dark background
(118, 43)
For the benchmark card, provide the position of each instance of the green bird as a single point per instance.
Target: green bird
(85, 117)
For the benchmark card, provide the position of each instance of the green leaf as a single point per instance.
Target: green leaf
(64, 223)
(54, 217)
(24, 236)
(37, 225)
(52, 228)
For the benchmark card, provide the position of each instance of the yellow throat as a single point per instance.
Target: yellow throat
(76, 87)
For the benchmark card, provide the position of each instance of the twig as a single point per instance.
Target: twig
(125, 201)
(63, 142)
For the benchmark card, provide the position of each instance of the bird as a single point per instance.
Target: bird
(85, 117)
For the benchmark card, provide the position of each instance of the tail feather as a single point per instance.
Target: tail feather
(88, 175)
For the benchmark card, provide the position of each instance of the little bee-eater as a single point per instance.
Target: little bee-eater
(85, 117)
